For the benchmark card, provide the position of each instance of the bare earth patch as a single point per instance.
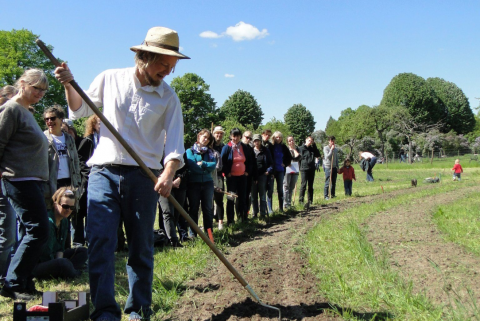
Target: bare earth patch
(274, 268)
(438, 268)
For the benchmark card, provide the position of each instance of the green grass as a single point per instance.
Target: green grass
(460, 222)
(337, 242)
(352, 276)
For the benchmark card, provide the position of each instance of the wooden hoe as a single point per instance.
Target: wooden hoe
(144, 167)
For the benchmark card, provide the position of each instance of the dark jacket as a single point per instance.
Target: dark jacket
(263, 161)
(308, 155)
(182, 173)
(287, 157)
(227, 159)
(85, 151)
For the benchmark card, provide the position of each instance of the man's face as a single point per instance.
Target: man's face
(266, 136)
(331, 142)
(156, 72)
(308, 141)
(218, 136)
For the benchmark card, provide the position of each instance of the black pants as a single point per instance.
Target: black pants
(79, 220)
(238, 185)
(307, 179)
(67, 267)
(218, 199)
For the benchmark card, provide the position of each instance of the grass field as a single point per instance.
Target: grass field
(350, 273)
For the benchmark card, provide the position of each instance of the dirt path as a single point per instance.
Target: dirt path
(273, 266)
(419, 252)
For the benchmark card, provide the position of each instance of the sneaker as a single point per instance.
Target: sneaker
(24, 296)
(220, 226)
(326, 198)
(134, 316)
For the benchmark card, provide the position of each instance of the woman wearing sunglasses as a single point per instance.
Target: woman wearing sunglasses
(56, 261)
(63, 162)
(24, 169)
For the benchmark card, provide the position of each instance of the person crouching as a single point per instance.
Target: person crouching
(56, 261)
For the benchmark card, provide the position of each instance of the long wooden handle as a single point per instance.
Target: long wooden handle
(144, 167)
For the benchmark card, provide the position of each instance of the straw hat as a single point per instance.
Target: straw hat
(218, 129)
(163, 41)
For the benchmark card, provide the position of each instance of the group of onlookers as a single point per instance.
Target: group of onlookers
(41, 185)
(246, 168)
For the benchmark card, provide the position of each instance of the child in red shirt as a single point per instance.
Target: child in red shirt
(348, 176)
(457, 170)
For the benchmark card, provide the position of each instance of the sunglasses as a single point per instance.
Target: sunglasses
(54, 118)
(67, 207)
(249, 138)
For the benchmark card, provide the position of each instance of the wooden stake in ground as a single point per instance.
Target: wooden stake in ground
(154, 178)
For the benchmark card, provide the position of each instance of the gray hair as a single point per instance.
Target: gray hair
(33, 77)
(276, 134)
(55, 109)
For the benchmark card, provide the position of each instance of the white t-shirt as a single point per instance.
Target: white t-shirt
(367, 155)
(63, 170)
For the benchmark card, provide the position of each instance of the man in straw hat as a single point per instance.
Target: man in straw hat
(143, 108)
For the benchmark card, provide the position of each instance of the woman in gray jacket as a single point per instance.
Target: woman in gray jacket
(24, 168)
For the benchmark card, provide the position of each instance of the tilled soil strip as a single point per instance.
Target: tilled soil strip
(273, 267)
(418, 250)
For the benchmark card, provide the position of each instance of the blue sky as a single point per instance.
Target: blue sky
(326, 55)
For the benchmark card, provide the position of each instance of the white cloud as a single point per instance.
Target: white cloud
(229, 76)
(210, 34)
(240, 32)
(180, 48)
(244, 31)
(214, 45)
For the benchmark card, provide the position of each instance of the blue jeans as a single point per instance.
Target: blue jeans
(28, 201)
(347, 184)
(327, 181)
(116, 192)
(371, 163)
(201, 193)
(278, 176)
(259, 191)
(8, 229)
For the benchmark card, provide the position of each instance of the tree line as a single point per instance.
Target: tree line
(417, 115)
(18, 52)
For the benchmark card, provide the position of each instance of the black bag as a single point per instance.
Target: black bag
(160, 239)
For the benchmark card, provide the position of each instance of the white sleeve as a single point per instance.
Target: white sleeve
(174, 147)
(95, 93)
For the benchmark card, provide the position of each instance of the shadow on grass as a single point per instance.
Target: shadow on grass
(248, 308)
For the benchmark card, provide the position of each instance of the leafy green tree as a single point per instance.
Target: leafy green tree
(198, 107)
(320, 137)
(333, 129)
(19, 52)
(300, 121)
(412, 92)
(229, 123)
(275, 125)
(243, 107)
(460, 117)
